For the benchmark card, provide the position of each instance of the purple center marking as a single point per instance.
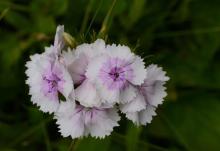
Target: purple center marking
(115, 73)
(52, 83)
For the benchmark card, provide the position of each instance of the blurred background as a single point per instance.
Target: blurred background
(183, 36)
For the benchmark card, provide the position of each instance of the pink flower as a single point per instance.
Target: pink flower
(95, 80)
(115, 73)
(81, 121)
(85, 91)
(47, 76)
(149, 95)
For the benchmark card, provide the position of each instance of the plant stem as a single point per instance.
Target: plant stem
(72, 145)
(93, 18)
(86, 16)
(46, 137)
(105, 23)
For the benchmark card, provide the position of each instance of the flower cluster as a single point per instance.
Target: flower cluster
(86, 87)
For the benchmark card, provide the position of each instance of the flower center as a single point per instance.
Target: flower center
(115, 73)
(52, 82)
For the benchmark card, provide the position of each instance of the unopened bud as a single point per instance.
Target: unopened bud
(69, 40)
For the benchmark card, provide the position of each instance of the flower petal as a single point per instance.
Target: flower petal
(127, 94)
(119, 51)
(153, 86)
(103, 123)
(155, 94)
(106, 95)
(91, 50)
(78, 68)
(67, 86)
(143, 117)
(68, 56)
(155, 73)
(94, 67)
(65, 109)
(59, 41)
(137, 104)
(70, 121)
(86, 94)
(139, 71)
(146, 115)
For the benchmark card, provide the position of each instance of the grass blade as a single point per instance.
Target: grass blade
(106, 21)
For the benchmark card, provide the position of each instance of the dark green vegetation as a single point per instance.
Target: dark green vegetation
(183, 36)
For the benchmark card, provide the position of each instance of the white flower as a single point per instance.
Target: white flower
(85, 91)
(47, 76)
(149, 95)
(115, 73)
(81, 121)
(95, 80)
(46, 79)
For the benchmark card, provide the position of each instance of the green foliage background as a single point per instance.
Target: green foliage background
(183, 36)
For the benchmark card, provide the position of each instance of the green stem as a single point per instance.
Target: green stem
(105, 23)
(72, 145)
(47, 139)
(86, 16)
(93, 18)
